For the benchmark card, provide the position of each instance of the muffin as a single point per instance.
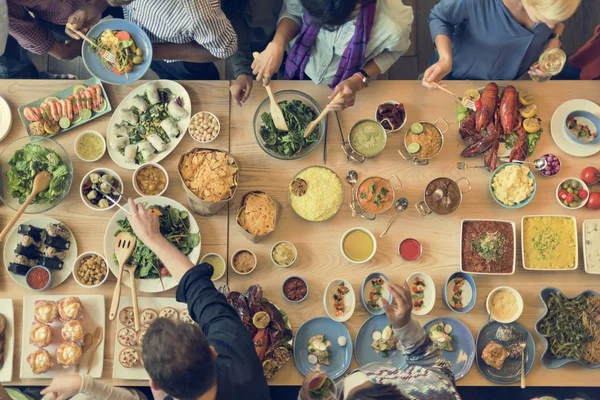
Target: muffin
(40, 335)
(40, 361)
(70, 308)
(68, 354)
(45, 311)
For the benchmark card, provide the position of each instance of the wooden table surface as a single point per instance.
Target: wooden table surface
(320, 259)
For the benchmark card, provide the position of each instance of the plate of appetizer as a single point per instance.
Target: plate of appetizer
(422, 291)
(176, 224)
(129, 45)
(149, 123)
(373, 290)
(456, 342)
(66, 109)
(460, 292)
(127, 356)
(499, 351)
(5, 118)
(7, 339)
(376, 342)
(339, 300)
(570, 328)
(53, 331)
(40, 241)
(560, 133)
(268, 325)
(324, 344)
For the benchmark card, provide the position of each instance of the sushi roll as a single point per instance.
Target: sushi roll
(170, 127)
(118, 142)
(130, 153)
(29, 241)
(18, 269)
(36, 233)
(157, 142)
(25, 261)
(50, 251)
(58, 230)
(129, 117)
(139, 103)
(58, 243)
(146, 150)
(50, 262)
(152, 93)
(31, 252)
(176, 111)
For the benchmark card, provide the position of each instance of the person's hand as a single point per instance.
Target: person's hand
(267, 63)
(62, 387)
(437, 72)
(241, 88)
(144, 222)
(399, 311)
(536, 71)
(348, 88)
(82, 20)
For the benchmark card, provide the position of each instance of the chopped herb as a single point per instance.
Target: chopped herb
(384, 191)
(372, 188)
(489, 246)
(363, 195)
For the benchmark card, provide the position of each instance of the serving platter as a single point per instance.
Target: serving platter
(178, 91)
(365, 354)
(550, 269)
(13, 238)
(584, 242)
(147, 285)
(93, 317)
(7, 309)
(514, 249)
(559, 134)
(461, 359)
(5, 118)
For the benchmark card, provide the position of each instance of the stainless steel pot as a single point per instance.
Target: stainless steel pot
(368, 215)
(420, 160)
(425, 207)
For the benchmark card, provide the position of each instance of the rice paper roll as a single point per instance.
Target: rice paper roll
(170, 127)
(146, 150)
(157, 142)
(120, 130)
(129, 117)
(130, 153)
(118, 142)
(152, 93)
(176, 111)
(139, 103)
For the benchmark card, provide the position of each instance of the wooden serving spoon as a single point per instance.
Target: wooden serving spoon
(97, 340)
(276, 113)
(311, 127)
(136, 311)
(124, 246)
(41, 182)
(88, 340)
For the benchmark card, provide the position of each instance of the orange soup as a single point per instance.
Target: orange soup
(375, 195)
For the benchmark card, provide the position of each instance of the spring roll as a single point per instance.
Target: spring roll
(170, 127)
(139, 103)
(129, 117)
(152, 93)
(176, 111)
(130, 153)
(146, 150)
(118, 142)
(157, 142)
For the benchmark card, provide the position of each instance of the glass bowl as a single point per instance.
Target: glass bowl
(289, 95)
(7, 154)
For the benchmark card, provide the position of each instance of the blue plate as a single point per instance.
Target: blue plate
(589, 119)
(365, 354)
(461, 359)
(524, 202)
(362, 292)
(511, 370)
(96, 68)
(339, 358)
(547, 360)
(470, 281)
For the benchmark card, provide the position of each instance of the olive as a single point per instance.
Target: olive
(575, 204)
(138, 60)
(575, 185)
(138, 52)
(565, 203)
(576, 198)
(565, 185)
(569, 190)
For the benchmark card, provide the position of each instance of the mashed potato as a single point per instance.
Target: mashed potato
(512, 184)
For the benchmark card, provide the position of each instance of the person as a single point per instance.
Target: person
(214, 359)
(586, 61)
(187, 35)
(84, 387)
(427, 376)
(254, 22)
(337, 42)
(492, 39)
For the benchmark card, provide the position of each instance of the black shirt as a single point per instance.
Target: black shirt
(239, 371)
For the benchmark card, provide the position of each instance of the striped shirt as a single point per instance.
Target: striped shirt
(185, 21)
(30, 34)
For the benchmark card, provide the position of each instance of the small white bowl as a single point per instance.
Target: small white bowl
(98, 134)
(138, 169)
(381, 122)
(368, 232)
(218, 126)
(519, 304)
(86, 178)
(429, 295)
(349, 300)
(216, 278)
(295, 254)
(76, 267)
(583, 186)
(243, 273)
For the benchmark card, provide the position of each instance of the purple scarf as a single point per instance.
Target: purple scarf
(353, 56)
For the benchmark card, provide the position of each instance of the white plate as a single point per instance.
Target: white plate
(147, 285)
(5, 119)
(139, 372)
(349, 300)
(514, 250)
(429, 293)
(178, 91)
(6, 309)
(13, 238)
(93, 316)
(585, 246)
(557, 128)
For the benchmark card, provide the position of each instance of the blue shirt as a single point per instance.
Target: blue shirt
(487, 42)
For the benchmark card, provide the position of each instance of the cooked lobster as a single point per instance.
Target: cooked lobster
(467, 131)
(509, 109)
(520, 149)
(489, 102)
(261, 343)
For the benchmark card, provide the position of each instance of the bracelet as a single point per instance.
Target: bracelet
(364, 82)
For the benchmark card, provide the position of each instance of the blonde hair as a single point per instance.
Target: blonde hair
(555, 10)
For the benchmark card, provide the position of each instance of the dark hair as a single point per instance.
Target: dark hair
(329, 13)
(178, 358)
(377, 392)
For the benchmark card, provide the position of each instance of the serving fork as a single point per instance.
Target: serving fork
(107, 55)
(470, 104)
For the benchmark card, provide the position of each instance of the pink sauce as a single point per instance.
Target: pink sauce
(410, 249)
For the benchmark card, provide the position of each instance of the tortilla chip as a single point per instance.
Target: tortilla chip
(257, 216)
(209, 174)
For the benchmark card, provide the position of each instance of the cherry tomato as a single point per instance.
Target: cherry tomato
(117, 71)
(478, 105)
(594, 201)
(569, 198)
(562, 194)
(583, 194)
(590, 175)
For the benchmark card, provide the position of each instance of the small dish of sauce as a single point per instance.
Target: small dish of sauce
(150, 180)
(90, 146)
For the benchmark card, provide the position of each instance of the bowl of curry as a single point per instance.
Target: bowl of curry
(549, 243)
(488, 247)
(367, 138)
(423, 141)
(376, 195)
(442, 196)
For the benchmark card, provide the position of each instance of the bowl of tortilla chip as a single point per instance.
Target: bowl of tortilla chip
(257, 215)
(209, 178)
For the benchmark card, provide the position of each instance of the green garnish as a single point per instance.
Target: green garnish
(489, 246)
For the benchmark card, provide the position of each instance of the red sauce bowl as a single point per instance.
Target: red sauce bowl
(410, 249)
(38, 278)
(297, 285)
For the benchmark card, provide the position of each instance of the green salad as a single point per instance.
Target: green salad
(26, 163)
(297, 116)
(174, 226)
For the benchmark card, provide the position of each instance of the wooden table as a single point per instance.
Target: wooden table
(320, 259)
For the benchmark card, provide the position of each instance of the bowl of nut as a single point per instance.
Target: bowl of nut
(90, 270)
(204, 127)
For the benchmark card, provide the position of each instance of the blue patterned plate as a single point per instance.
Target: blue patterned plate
(461, 359)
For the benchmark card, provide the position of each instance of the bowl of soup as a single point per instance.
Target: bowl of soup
(358, 245)
(218, 264)
(504, 304)
(150, 180)
(367, 138)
